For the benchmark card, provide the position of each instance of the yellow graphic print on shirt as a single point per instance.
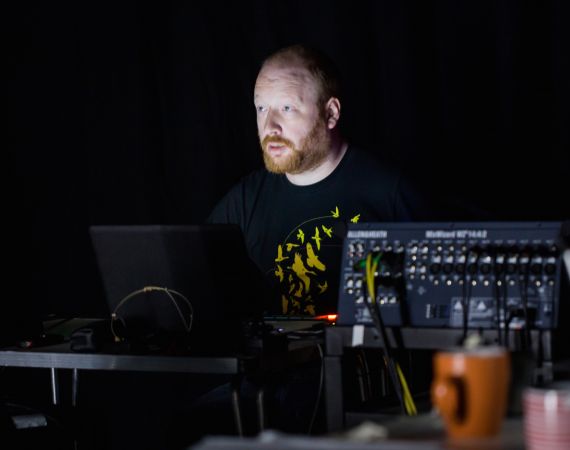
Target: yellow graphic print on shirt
(298, 266)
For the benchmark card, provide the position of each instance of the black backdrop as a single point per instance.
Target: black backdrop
(141, 112)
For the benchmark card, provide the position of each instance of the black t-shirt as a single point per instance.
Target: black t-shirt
(294, 233)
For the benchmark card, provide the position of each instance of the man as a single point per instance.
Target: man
(295, 212)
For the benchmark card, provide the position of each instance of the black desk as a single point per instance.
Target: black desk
(60, 357)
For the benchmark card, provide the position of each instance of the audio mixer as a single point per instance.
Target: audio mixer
(452, 275)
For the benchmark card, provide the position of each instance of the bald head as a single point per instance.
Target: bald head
(316, 65)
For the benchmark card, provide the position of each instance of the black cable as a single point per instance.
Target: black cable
(464, 294)
(466, 304)
(468, 289)
(508, 325)
(500, 292)
(498, 304)
(497, 295)
(388, 360)
(523, 287)
(364, 390)
(321, 384)
(463, 297)
(378, 323)
(367, 377)
(506, 313)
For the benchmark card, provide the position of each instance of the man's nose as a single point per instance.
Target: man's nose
(272, 126)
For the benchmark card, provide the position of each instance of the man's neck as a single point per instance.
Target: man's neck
(338, 149)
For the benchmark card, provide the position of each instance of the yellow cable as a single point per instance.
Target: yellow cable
(408, 399)
(409, 404)
(370, 279)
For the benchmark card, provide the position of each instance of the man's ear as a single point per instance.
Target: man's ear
(332, 112)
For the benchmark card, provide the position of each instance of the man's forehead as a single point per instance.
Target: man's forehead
(290, 69)
(283, 75)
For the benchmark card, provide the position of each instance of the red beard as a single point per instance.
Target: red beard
(313, 150)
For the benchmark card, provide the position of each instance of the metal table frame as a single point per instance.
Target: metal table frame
(59, 357)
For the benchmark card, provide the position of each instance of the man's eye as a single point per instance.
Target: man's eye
(260, 109)
(287, 108)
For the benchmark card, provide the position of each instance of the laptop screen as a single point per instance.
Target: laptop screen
(207, 264)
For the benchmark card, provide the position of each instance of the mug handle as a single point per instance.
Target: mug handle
(448, 399)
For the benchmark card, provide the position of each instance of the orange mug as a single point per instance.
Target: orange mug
(470, 390)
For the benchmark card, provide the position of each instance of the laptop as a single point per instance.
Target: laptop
(213, 286)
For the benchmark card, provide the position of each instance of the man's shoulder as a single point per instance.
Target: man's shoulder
(367, 164)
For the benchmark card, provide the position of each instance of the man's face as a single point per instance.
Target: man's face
(292, 129)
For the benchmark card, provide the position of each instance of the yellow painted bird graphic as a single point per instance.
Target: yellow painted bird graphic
(280, 256)
(317, 238)
(313, 260)
(328, 231)
(279, 273)
(302, 272)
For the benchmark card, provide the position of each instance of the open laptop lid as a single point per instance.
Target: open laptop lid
(207, 264)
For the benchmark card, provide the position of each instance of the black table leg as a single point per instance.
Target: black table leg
(260, 408)
(236, 384)
(74, 386)
(54, 386)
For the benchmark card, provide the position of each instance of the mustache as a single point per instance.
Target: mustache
(276, 140)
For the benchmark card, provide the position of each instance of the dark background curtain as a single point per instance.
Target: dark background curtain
(141, 112)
